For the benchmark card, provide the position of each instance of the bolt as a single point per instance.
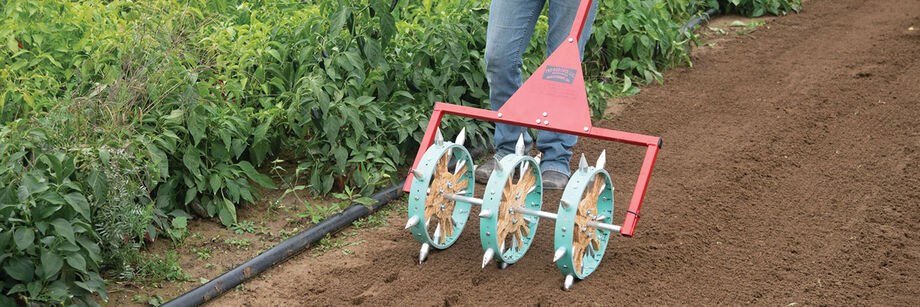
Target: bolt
(586, 128)
(563, 229)
(583, 229)
(487, 234)
(416, 198)
(546, 122)
(544, 114)
(570, 39)
(513, 221)
(538, 121)
(499, 115)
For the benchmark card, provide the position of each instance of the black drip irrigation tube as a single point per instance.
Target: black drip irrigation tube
(290, 247)
(284, 250)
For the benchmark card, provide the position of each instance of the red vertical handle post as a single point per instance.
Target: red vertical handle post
(583, 8)
(433, 124)
(635, 205)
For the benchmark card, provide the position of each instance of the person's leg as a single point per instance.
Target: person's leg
(511, 24)
(556, 147)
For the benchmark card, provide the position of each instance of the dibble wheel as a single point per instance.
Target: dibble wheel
(434, 220)
(503, 229)
(579, 239)
(510, 208)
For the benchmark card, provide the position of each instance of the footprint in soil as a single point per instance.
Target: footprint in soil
(452, 299)
(477, 280)
(391, 278)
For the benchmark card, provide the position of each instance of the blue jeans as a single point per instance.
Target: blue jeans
(511, 24)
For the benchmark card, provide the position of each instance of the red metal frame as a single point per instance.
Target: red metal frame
(554, 99)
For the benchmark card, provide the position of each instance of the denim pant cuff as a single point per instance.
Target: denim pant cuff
(555, 166)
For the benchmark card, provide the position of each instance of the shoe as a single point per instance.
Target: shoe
(553, 180)
(484, 171)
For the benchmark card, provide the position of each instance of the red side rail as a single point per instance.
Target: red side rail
(650, 142)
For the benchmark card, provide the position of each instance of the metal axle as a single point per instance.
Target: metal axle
(537, 213)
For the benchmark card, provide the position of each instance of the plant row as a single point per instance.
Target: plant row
(121, 119)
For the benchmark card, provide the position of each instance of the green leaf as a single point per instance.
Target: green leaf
(196, 126)
(20, 268)
(274, 53)
(227, 213)
(214, 181)
(63, 227)
(77, 262)
(190, 195)
(32, 184)
(99, 184)
(367, 201)
(23, 237)
(341, 156)
(254, 175)
(338, 21)
(12, 44)
(180, 222)
(192, 161)
(79, 204)
(51, 263)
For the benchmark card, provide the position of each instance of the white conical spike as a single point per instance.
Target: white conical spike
(519, 147)
(461, 137)
(485, 214)
(559, 253)
(437, 233)
(524, 167)
(501, 249)
(459, 166)
(423, 253)
(532, 188)
(418, 174)
(514, 244)
(487, 257)
(565, 204)
(503, 265)
(427, 221)
(601, 160)
(538, 157)
(568, 282)
(583, 163)
(438, 137)
(498, 165)
(590, 252)
(412, 222)
(600, 218)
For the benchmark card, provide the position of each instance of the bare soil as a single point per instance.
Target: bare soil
(789, 174)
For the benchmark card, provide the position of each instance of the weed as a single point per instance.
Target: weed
(244, 226)
(237, 242)
(203, 254)
(153, 268)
